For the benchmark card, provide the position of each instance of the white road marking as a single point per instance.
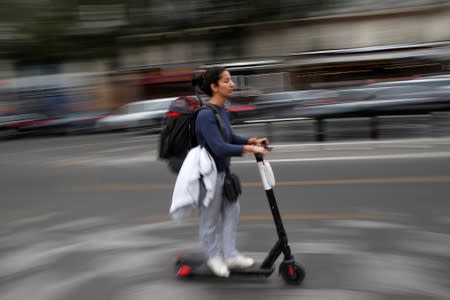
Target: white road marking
(397, 274)
(322, 294)
(104, 241)
(405, 146)
(35, 219)
(164, 290)
(33, 257)
(422, 141)
(367, 224)
(82, 224)
(328, 248)
(103, 143)
(35, 254)
(122, 149)
(131, 252)
(265, 290)
(151, 157)
(355, 157)
(346, 148)
(45, 286)
(142, 158)
(427, 242)
(104, 154)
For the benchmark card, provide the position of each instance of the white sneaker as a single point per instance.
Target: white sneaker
(218, 266)
(240, 262)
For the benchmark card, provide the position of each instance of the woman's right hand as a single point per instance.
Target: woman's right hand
(255, 149)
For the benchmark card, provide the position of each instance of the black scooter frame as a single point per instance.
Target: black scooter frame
(291, 271)
(281, 246)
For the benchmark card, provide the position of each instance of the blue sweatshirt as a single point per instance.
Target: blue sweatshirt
(208, 133)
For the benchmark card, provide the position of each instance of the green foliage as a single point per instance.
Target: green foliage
(56, 30)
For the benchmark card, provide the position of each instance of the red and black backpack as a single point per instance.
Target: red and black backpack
(178, 134)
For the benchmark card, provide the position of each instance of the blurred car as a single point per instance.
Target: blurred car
(41, 124)
(381, 100)
(402, 91)
(429, 81)
(271, 104)
(290, 104)
(355, 94)
(411, 100)
(146, 114)
(239, 112)
(11, 121)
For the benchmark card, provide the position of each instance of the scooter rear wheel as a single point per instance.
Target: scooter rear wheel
(292, 272)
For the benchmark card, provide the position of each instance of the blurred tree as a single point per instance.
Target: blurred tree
(51, 31)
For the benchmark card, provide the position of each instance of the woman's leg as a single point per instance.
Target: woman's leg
(231, 212)
(209, 218)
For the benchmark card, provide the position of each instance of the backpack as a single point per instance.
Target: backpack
(178, 134)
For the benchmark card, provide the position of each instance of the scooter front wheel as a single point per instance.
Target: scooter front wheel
(292, 272)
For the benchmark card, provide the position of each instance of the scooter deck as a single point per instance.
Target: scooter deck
(198, 267)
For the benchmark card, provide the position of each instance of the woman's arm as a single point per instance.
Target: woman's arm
(207, 125)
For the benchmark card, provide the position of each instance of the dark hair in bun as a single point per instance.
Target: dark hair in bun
(203, 80)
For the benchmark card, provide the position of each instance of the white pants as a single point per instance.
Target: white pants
(219, 208)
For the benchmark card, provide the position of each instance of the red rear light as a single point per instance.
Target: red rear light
(184, 271)
(173, 114)
(7, 109)
(240, 108)
(291, 271)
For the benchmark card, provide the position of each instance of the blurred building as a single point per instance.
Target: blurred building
(352, 40)
(349, 25)
(144, 47)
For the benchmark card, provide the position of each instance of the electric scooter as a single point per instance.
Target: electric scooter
(291, 271)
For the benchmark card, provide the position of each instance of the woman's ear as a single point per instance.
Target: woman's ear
(214, 87)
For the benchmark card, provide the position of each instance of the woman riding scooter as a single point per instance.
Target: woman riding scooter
(218, 85)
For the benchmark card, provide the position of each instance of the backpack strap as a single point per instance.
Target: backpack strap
(219, 120)
(221, 126)
(199, 99)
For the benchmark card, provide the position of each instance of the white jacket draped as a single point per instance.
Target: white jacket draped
(198, 166)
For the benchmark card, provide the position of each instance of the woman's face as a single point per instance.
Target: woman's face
(225, 85)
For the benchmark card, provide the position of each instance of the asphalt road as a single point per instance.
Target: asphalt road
(86, 217)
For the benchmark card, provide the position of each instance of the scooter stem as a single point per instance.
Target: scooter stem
(281, 246)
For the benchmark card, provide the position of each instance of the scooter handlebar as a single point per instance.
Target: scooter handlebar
(260, 157)
(265, 170)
